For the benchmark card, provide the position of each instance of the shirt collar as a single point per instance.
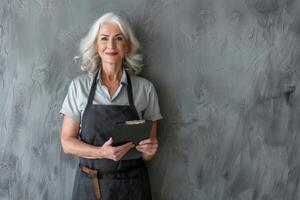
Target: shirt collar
(123, 77)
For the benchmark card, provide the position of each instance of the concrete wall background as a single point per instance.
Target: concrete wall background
(227, 76)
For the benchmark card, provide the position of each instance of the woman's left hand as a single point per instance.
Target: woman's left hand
(148, 148)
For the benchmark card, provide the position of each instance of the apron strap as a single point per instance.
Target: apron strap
(129, 94)
(129, 90)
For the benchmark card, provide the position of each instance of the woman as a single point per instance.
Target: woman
(109, 93)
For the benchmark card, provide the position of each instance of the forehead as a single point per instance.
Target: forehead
(109, 28)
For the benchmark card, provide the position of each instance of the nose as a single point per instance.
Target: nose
(111, 43)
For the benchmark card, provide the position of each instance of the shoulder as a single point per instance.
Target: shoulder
(142, 85)
(82, 79)
(139, 81)
(81, 83)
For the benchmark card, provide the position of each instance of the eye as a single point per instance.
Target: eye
(119, 38)
(103, 39)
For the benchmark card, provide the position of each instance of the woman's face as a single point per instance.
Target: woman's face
(112, 44)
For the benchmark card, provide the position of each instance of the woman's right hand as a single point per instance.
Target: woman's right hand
(115, 153)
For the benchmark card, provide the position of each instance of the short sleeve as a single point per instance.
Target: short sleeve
(70, 106)
(152, 111)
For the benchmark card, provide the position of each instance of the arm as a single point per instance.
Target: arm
(72, 145)
(148, 147)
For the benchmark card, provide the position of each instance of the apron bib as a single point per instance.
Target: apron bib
(117, 180)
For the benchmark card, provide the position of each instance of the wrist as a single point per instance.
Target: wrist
(99, 153)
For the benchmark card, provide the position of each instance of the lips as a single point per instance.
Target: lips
(111, 53)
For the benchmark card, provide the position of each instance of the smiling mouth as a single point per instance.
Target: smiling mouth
(112, 53)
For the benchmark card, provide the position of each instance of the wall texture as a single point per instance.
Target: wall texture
(227, 76)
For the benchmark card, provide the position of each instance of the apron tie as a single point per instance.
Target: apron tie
(94, 175)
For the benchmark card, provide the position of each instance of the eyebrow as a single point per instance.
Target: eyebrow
(114, 35)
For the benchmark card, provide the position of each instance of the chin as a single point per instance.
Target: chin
(113, 61)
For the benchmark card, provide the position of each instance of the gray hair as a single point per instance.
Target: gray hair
(91, 60)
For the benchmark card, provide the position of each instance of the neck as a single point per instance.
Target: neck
(111, 72)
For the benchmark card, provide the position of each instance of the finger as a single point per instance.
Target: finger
(128, 145)
(108, 142)
(116, 153)
(145, 141)
(139, 149)
(123, 151)
(148, 141)
(125, 148)
(151, 145)
(147, 149)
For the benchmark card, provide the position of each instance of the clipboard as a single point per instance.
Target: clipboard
(131, 131)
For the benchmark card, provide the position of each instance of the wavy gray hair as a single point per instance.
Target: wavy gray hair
(88, 46)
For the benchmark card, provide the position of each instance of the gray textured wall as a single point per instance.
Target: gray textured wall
(227, 75)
